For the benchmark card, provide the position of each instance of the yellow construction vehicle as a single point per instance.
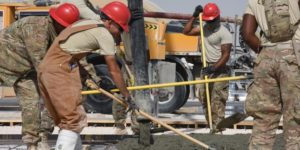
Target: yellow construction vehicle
(165, 42)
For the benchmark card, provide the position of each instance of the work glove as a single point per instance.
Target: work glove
(198, 10)
(131, 104)
(135, 15)
(208, 70)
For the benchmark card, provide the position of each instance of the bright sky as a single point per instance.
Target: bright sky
(228, 8)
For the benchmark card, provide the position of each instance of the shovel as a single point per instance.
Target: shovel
(92, 84)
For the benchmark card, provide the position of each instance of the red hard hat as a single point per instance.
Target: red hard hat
(65, 14)
(119, 13)
(210, 12)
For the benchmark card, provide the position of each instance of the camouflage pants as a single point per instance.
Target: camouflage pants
(275, 92)
(218, 97)
(119, 115)
(119, 111)
(34, 118)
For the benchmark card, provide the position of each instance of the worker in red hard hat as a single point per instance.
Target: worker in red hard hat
(211, 11)
(119, 112)
(58, 74)
(23, 46)
(116, 13)
(218, 43)
(65, 14)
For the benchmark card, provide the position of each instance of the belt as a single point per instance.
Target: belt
(280, 46)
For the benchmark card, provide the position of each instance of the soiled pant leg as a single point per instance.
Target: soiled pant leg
(62, 92)
(202, 98)
(290, 91)
(28, 96)
(119, 114)
(47, 124)
(263, 103)
(119, 111)
(219, 96)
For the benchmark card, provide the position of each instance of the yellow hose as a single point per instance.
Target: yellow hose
(143, 87)
(205, 77)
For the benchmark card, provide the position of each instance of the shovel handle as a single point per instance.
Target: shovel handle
(92, 84)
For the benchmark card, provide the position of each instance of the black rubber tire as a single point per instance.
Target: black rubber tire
(99, 103)
(178, 99)
(187, 94)
(186, 97)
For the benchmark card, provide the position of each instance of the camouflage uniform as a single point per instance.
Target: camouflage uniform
(275, 91)
(119, 111)
(214, 39)
(218, 97)
(120, 115)
(23, 45)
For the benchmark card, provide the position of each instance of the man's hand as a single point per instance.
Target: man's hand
(208, 70)
(131, 104)
(198, 10)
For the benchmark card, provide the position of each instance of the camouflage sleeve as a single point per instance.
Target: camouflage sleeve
(89, 68)
(36, 39)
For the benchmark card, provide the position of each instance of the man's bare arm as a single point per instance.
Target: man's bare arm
(116, 74)
(225, 49)
(189, 30)
(249, 28)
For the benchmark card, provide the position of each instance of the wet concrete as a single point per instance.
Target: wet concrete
(173, 142)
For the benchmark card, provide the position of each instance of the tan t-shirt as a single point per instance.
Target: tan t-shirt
(258, 11)
(96, 40)
(213, 41)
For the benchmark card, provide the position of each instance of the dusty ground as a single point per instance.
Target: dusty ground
(171, 142)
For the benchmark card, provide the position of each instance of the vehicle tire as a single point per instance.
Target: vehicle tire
(186, 97)
(100, 103)
(171, 102)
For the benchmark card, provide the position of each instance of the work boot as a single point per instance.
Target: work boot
(32, 147)
(67, 140)
(120, 129)
(215, 130)
(43, 144)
